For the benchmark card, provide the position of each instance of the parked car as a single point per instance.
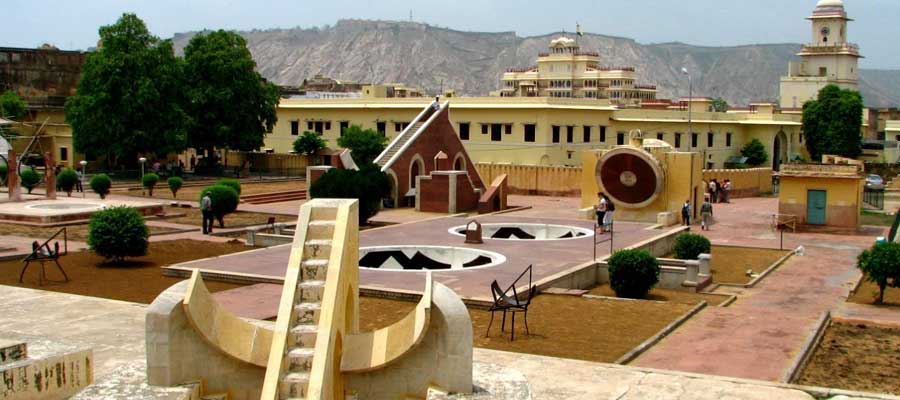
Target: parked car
(874, 182)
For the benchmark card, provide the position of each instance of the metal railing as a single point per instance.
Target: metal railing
(874, 198)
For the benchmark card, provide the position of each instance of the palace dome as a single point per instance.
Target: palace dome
(830, 3)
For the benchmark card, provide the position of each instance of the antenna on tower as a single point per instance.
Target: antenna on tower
(410, 15)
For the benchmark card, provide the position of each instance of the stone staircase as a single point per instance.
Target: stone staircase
(275, 197)
(401, 141)
(310, 277)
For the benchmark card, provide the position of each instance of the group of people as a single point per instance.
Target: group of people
(717, 193)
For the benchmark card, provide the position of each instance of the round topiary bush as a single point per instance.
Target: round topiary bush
(224, 201)
(4, 169)
(149, 181)
(689, 246)
(232, 183)
(118, 232)
(100, 184)
(632, 273)
(29, 179)
(175, 183)
(66, 180)
(369, 185)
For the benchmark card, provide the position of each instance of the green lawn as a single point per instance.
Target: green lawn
(876, 219)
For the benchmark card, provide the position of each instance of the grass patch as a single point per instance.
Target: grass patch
(876, 219)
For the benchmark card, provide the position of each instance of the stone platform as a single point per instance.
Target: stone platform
(549, 258)
(67, 210)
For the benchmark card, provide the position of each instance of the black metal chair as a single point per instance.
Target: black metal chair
(42, 253)
(513, 304)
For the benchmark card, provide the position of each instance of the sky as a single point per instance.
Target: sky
(70, 24)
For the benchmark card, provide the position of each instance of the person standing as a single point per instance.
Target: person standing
(706, 210)
(610, 210)
(600, 211)
(713, 190)
(726, 191)
(206, 210)
(686, 213)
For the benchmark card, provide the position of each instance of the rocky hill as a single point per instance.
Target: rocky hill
(472, 62)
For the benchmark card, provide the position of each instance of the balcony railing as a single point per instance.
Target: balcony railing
(646, 87)
(578, 53)
(840, 47)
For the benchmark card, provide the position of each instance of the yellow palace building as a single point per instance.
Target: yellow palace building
(549, 130)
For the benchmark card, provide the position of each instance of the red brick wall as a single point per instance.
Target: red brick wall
(435, 191)
(439, 136)
(466, 197)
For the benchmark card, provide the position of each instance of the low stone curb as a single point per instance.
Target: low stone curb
(727, 302)
(647, 344)
(809, 347)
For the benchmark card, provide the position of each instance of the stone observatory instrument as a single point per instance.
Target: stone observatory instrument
(630, 176)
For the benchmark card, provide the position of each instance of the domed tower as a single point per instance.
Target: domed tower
(829, 59)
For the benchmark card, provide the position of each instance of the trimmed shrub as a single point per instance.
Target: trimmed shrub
(66, 180)
(232, 183)
(100, 184)
(369, 185)
(224, 201)
(881, 264)
(118, 232)
(149, 181)
(4, 169)
(632, 273)
(175, 183)
(29, 179)
(689, 246)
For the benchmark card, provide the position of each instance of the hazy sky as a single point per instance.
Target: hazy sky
(72, 24)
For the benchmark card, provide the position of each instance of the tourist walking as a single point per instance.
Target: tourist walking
(206, 210)
(600, 211)
(726, 191)
(686, 213)
(706, 210)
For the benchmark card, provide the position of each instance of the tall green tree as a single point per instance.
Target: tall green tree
(364, 145)
(755, 152)
(719, 104)
(309, 143)
(833, 122)
(11, 105)
(128, 102)
(231, 105)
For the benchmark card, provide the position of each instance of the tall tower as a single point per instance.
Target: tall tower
(828, 59)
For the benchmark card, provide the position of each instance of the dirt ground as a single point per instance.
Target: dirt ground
(138, 280)
(730, 264)
(868, 291)
(192, 193)
(561, 326)
(73, 232)
(674, 296)
(856, 357)
(193, 216)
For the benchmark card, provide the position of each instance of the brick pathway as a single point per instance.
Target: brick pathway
(759, 336)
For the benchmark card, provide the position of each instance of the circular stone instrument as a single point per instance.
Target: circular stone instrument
(630, 176)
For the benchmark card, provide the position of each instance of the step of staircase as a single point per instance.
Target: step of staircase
(12, 350)
(275, 197)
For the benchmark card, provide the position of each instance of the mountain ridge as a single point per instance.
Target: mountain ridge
(427, 56)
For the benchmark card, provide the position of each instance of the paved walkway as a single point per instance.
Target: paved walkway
(759, 336)
(115, 330)
(864, 313)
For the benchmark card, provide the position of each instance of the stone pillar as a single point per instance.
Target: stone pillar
(705, 259)
(50, 175)
(251, 236)
(278, 228)
(12, 176)
(693, 270)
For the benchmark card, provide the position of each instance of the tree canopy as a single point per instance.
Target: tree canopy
(755, 152)
(128, 101)
(364, 145)
(309, 143)
(11, 105)
(719, 104)
(881, 264)
(832, 124)
(229, 102)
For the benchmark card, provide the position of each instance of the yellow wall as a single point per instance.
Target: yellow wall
(757, 180)
(534, 179)
(544, 113)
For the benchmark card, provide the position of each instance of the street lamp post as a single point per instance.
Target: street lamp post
(690, 100)
(142, 160)
(83, 165)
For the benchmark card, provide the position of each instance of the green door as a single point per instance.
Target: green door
(815, 207)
